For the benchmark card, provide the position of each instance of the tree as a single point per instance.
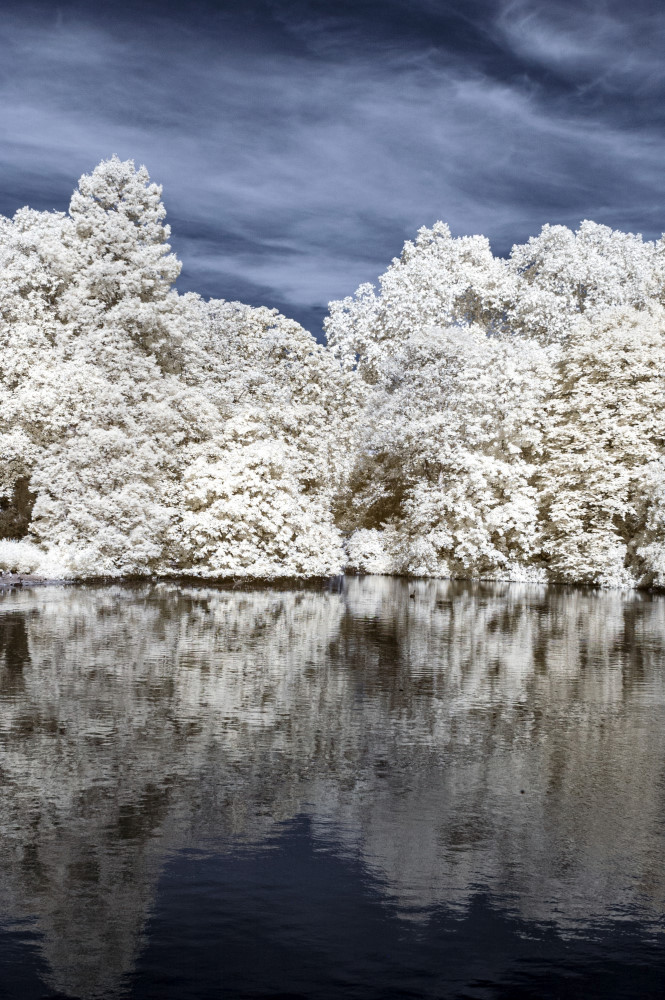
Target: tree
(563, 274)
(438, 281)
(489, 405)
(473, 417)
(445, 472)
(257, 491)
(158, 433)
(602, 474)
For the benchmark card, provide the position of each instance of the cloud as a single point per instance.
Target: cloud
(610, 45)
(295, 164)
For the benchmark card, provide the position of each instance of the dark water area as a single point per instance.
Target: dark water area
(378, 789)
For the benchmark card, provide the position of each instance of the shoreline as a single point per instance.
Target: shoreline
(11, 581)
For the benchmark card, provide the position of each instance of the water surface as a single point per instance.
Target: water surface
(375, 789)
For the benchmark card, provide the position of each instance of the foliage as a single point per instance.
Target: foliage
(512, 424)
(473, 417)
(159, 433)
(602, 474)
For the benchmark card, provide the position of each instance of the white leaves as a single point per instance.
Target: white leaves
(161, 434)
(472, 417)
(605, 436)
(513, 409)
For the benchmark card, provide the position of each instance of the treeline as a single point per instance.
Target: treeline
(473, 417)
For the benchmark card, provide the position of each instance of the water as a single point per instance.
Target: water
(373, 790)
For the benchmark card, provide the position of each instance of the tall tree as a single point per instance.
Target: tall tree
(157, 432)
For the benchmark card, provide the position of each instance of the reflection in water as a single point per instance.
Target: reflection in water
(449, 740)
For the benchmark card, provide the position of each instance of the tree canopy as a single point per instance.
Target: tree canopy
(473, 416)
(158, 433)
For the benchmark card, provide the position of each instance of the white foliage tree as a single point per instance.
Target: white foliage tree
(438, 281)
(147, 441)
(490, 401)
(475, 416)
(562, 274)
(443, 487)
(603, 468)
(264, 481)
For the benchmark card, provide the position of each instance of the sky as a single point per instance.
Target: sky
(300, 143)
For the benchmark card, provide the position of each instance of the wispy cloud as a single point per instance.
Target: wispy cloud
(613, 45)
(293, 170)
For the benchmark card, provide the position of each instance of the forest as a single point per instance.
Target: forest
(472, 416)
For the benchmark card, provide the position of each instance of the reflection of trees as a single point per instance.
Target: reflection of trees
(556, 693)
(128, 705)
(137, 720)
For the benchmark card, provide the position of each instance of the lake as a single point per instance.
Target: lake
(374, 788)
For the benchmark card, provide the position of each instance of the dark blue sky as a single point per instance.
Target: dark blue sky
(299, 143)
